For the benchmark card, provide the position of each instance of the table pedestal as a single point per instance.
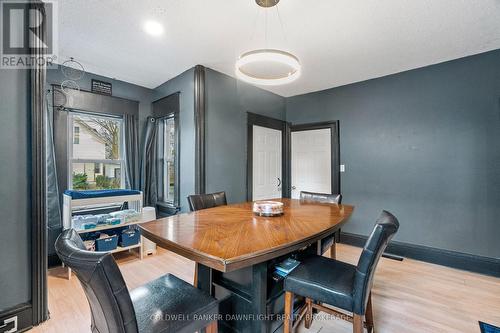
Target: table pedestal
(251, 300)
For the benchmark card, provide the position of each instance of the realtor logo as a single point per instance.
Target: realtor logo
(28, 34)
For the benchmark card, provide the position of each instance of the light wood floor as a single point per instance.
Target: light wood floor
(408, 296)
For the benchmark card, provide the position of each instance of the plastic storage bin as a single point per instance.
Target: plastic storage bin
(129, 237)
(106, 244)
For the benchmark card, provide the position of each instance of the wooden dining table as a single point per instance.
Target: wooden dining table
(236, 251)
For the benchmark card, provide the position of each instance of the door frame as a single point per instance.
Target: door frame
(335, 147)
(277, 124)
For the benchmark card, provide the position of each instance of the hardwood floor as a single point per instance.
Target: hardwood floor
(408, 296)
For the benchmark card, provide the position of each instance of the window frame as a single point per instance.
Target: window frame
(162, 161)
(71, 160)
(75, 136)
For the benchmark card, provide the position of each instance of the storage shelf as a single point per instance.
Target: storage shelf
(107, 227)
(104, 200)
(134, 202)
(120, 249)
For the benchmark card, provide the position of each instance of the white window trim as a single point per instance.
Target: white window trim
(165, 160)
(71, 160)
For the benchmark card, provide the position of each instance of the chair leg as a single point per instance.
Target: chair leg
(309, 313)
(357, 323)
(195, 279)
(212, 327)
(369, 316)
(288, 324)
(333, 249)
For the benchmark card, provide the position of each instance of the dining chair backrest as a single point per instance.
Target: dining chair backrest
(110, 303)
(385, 228)
(204, 201)
(321, 197)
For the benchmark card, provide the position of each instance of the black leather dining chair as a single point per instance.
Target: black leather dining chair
(339, 284)
(204, 201)
(146, 309)
(329, 241)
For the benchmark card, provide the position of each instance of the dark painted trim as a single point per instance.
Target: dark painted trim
(283, 126)
(287, 178)
(335, 146)
(24, 313)
(468, 262)
(39, 305)
(87, 101)
(199, 119)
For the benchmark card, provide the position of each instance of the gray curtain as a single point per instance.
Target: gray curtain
(54, 222)
(131, 150)
(149, 166)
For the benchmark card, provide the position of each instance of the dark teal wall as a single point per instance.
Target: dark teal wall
(183, 83)
(15, 235)
(120, 89)
(423, 144)
(228, 101)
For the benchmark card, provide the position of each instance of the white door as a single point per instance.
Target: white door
(266, 163)
(311, 161)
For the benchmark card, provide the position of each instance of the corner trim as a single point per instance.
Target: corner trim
(199, 120)
(38, 309)
(464, 261)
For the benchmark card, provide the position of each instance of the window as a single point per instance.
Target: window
(76, 135)
(167, 160)
(96, 153)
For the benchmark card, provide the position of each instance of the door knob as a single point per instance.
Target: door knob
(294, 188)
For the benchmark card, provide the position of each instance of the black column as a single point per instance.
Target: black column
(199, 118)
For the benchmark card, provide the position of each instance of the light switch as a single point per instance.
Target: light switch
(342, 168)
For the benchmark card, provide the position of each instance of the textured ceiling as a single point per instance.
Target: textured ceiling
(338, 42)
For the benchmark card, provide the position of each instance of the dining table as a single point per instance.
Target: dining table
(236, 252)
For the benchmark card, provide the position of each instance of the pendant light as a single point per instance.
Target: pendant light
(267, 66)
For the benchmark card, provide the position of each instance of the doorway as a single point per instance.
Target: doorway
(267, 163)
(315, 158)
(267, 144)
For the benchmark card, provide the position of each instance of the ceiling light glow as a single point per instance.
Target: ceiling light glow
(272, 56)
(153, 28)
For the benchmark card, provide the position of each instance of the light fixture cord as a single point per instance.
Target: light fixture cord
(281, 23)
(265, 29)
(255, 22)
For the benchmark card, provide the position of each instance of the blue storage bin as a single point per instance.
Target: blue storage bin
(130, 237)
(106, 244)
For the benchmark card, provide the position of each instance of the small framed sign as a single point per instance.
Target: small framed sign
(101, 87)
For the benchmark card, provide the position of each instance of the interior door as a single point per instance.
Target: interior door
(267, 166)
(311, 161)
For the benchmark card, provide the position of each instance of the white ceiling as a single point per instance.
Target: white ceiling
(337, 41)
